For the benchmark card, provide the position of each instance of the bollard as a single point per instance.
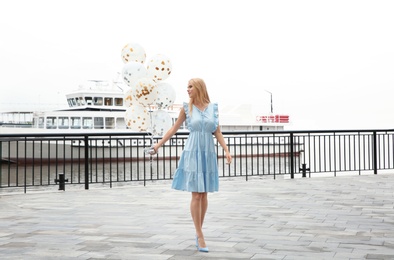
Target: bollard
(62, 181)
(304, 169)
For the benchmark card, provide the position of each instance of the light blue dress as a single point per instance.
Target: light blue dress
(197, 169)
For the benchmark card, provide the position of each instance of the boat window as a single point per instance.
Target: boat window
(108, 101)
(109, 122)
(70, 102)
(41, 122)
(87, 123)
(63, 123)
(51, 123)
(177, 141)
(120, 123)
(119, 102)
(98, 123)
(98, 101)
(75, 122)
(89, 101)
(81, 101)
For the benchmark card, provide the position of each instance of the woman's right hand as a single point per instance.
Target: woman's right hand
(155, 148)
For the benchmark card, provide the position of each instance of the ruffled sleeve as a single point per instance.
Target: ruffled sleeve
(216, 114)
(186, 108)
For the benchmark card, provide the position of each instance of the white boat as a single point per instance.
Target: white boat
(99, 106)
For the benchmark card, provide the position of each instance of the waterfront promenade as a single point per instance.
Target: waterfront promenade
(350, 217)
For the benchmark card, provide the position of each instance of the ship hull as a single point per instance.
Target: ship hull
(59, 151)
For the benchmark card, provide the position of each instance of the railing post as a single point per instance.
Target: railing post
(375, 153)
(303, 169)
(86, 162)
(246, 156)
(62, 181)
(1, 162)
(291, 156)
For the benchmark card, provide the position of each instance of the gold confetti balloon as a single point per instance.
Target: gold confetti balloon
(137, 118)
(133, 52)
(159, 67)
(128, 98)
(145, 91)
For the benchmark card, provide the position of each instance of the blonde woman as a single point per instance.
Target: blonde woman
(197, 170)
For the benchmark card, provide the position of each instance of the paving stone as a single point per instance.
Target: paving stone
(346, 217)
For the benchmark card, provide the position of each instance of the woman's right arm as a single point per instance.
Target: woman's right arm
(172, 130)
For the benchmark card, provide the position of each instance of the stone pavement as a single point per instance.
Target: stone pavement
(349, 217)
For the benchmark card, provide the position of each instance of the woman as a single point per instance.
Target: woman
(197, 170)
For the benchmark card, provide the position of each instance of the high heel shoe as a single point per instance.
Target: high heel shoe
(201, 249)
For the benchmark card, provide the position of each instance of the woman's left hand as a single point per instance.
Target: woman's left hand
(229, 158)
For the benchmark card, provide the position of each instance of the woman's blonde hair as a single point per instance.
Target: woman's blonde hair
(201, 96)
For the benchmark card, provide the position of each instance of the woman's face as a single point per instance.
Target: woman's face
(191, 91)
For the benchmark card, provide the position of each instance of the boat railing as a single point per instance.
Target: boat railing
(39, 160)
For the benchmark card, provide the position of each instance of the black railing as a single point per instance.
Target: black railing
(29, 161)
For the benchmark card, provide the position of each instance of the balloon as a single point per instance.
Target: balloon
(132, 71)
(133, 52)
(137, 118)
(161, 122)
(166, 95)
(145, 91)
(159, 67)
(128, 98)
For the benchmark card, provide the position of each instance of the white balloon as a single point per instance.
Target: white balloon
(166, 95)
(145, 91)
(159, 67)
(133, 52)
(137, 118)
(132, 71)
(161, 122)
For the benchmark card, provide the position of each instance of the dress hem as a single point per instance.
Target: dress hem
(194, 191)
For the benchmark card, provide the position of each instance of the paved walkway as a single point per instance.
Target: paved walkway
(318, 218)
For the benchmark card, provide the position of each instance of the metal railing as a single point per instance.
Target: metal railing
(29, 161)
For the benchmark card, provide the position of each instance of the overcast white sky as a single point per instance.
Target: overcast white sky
(329, 64)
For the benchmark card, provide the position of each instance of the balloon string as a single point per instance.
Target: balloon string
(151, 125)
(151, 140)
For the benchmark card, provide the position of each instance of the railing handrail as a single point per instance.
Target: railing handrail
(255, 152)
(182, 132)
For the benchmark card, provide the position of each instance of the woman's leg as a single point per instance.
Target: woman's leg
(198, 208)
(204, 206)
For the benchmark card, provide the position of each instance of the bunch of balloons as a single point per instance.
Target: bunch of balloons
(148, 95)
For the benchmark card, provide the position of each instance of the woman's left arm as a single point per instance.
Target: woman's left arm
(219, 136)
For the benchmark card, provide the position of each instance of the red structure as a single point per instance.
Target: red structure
(273, 119)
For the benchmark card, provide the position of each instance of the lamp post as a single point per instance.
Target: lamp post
(272, 106)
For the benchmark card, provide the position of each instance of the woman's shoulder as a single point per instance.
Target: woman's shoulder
(215, 105)
(185, 108)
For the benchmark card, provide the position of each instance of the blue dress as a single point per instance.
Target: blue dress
(197, 169)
